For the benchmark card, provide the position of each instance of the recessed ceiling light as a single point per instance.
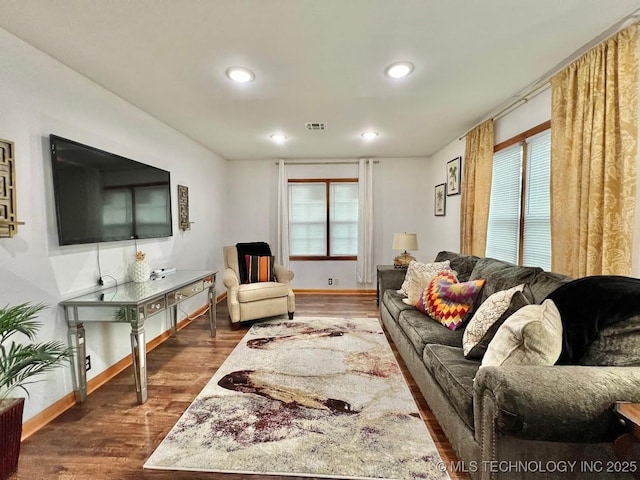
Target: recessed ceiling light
(240, 74)
(399, 69)
(278, 137)
(369, 135)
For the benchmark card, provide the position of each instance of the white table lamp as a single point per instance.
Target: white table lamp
(404, 241)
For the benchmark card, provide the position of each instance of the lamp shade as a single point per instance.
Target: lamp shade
(405, 241)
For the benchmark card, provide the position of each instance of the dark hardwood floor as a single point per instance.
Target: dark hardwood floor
(110, 436)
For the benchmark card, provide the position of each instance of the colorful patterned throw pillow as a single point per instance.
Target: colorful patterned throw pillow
(259, 268)
(448, 301)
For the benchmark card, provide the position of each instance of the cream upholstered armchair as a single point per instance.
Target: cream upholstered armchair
(250, 301)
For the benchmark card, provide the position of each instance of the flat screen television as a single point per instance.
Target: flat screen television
(103, 197)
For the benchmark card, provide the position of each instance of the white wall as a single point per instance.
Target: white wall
(445, 231)
(400, 205)
(528, 115)
(39, 96)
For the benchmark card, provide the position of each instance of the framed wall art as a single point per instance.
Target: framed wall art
(453, 176)
(440, 200)
(183, 207)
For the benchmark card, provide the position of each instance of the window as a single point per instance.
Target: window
(519, 229)
(323, 219)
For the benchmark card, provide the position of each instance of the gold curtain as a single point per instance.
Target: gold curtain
(594, 127)
(476, 189)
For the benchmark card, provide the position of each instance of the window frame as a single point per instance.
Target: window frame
(327, 182)
(521, 139)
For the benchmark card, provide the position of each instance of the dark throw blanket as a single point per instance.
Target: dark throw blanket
(250, 248)
(588, 305)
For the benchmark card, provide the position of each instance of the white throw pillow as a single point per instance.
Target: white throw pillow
(531, 336)
(418, 276)
(404, 289)
(486, 316)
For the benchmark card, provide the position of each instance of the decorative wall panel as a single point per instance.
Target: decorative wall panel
(183, 207)
(8, 215)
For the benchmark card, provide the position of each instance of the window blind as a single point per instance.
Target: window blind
(537, 222)
(307, 219)
(503, 231)
(343, 219)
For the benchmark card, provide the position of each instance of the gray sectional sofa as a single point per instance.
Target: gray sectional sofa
(523, 421)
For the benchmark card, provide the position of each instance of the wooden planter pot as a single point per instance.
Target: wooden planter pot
(10, 433)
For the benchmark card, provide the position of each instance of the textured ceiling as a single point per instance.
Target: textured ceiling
(314, 61)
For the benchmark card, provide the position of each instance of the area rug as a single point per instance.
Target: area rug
(320, 397)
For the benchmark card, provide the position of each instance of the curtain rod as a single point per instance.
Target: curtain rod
(317, 162)
(544, 82)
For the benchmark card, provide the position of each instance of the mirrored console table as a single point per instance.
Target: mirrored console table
(133, 303)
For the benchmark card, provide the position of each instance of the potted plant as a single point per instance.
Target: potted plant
(19, 364)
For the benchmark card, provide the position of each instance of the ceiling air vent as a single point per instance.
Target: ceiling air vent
(315, 126)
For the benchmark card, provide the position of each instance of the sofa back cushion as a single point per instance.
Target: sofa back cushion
(499, 275)
(617, 345)
(546, 282)
(461, 264)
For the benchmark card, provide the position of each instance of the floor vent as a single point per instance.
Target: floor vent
(315, 126)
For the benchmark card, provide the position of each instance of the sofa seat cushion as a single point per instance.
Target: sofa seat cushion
(455, 375)
(422, 330)
(259, 291)
(393, 301)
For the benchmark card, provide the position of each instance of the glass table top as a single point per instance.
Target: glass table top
(131, 292)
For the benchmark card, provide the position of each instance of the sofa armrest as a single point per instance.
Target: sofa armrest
(553, 403)
(391, 279)
(230, 278)
(283, 274)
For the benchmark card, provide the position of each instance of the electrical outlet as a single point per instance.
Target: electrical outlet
(87, 363)
(331, 281)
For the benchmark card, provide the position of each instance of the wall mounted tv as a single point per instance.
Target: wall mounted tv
(103, 197)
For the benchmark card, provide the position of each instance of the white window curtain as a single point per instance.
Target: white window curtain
(364, 265)
(282, 250)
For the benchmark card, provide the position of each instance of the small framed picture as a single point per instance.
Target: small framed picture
(453, 176)
(440, 200)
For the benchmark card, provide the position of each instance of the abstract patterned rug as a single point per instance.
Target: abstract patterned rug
(306, 397)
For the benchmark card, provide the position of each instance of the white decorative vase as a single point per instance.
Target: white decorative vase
(140, 271)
